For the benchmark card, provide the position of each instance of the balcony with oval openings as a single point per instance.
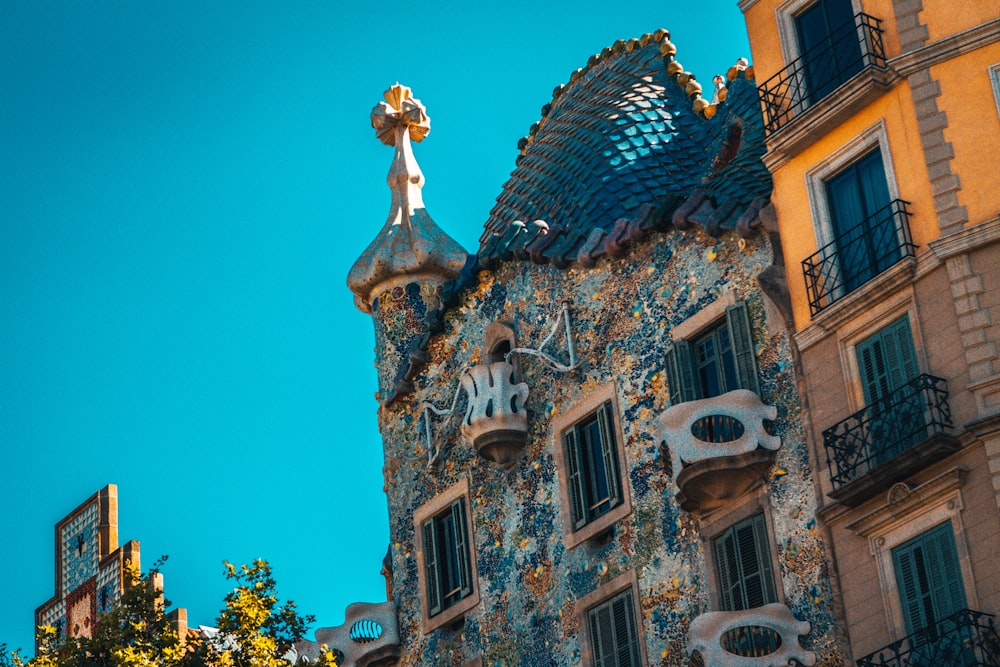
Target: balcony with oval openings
(369, 637)
(719, 448)
(495, 421)
(761, 637)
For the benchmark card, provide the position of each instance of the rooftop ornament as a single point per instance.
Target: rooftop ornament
(410, 247)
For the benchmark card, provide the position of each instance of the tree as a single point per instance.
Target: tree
(255, 630)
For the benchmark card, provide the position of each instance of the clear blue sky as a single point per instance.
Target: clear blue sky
(183, 188)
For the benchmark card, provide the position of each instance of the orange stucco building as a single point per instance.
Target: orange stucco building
(883, 138)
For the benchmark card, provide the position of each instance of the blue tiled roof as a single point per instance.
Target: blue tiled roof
(622, 144)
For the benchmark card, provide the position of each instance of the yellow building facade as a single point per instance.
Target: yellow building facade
(883, 138)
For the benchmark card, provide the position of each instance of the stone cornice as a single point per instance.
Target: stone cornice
(970, 238)
(858, 301)
(947, 48)
(936, 487)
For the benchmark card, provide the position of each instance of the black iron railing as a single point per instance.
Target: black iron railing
(965, 639)
(858, 255)
(880, 432)
(846, 51)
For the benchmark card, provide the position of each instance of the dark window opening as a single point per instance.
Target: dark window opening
(447, 561)
(592, 460)
(718, 361)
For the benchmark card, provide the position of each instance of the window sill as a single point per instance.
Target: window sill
(598, 525)
(452, 614)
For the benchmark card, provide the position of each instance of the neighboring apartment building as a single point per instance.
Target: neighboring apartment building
(883, 138)
(90, 568)
(594, 451)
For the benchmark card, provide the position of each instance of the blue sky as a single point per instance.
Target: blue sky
(183, 188)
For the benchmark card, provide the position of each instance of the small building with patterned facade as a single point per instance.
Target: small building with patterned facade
(594, 451)
(91, 569)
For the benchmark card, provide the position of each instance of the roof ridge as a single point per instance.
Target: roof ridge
(668, 50)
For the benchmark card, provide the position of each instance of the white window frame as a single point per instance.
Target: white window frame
(995, 81)
(904, 517)
(817, 176)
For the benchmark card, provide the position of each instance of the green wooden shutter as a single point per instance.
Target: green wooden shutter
(432, 575)
(950, 591)
(740, 334)
(887, 360)
(575, 478)
(680, 373)
(462, 546)
(605, 420)
(929, 578)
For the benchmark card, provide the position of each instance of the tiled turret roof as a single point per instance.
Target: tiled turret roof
(629, 141)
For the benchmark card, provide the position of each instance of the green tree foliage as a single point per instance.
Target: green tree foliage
(255, 630)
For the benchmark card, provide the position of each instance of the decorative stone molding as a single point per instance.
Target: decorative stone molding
(709, 473)
(495, 422)
(710, 631)
(369, 636)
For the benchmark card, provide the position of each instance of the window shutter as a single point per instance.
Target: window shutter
(946, 576)
(725, 558)
(887, 360)
(680, 374)
(626, 640)
(605, 420)
(738, 322)
(602, 637)
(929, 578)
(764, 559)
(462, 546)
(431, 572)
(575, 477)
(901, 362)
(906, 581)
(743, 560)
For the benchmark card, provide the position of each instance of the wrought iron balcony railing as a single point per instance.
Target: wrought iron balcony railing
(880, 432)
(819, 71)
(965, 639)
(858, 255)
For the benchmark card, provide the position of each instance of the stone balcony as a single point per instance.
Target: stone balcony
(765, 636)
(495, 421)
(719, 448)
(369, 637)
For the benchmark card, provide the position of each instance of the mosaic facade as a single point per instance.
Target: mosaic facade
(676, 246)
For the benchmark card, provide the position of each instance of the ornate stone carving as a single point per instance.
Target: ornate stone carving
(368, 637)
(495, 421)
(708, 473)
(750, 630)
